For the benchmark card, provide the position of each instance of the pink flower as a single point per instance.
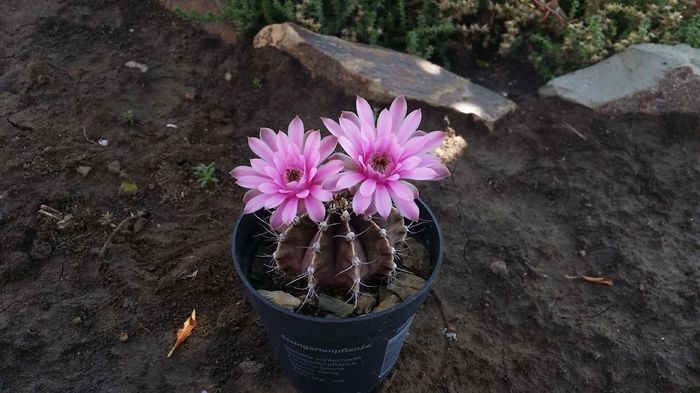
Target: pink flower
(380, 158)
(287, 176)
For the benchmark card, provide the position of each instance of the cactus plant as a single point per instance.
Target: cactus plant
(337, 224)
(344, 252)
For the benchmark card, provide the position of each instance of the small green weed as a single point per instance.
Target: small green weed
(195, 15)
(204, 174)
(129, 116)
(257, 83)
(128, 187)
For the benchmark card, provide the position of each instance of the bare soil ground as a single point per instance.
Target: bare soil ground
(620, 200)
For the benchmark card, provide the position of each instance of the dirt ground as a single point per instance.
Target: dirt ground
(622, 200)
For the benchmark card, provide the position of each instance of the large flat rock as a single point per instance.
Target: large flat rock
(381, 74)
(645, 78)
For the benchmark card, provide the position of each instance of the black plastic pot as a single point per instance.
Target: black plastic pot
(334, 355)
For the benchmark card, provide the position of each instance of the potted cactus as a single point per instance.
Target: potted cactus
(337, 219)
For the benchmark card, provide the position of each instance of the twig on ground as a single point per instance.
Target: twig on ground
(574, 130)
(85, 134)
(118, 227)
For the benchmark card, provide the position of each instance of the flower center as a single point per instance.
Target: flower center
(293, 174)
(380, 162)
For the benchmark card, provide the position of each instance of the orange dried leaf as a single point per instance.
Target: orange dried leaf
(184, 331)
(594, 280)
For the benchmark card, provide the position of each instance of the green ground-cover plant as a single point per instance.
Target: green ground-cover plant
(555, 36)
(205, 174)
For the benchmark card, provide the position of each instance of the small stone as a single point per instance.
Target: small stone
(405, 285)
(582, 253)
(139, 225)
(499, 268)
(365, 303)
(336, 306)
(84, 170)
(418, 258)
(77, 321)
(133, 64)
(250, 366)
(189, 96)
(114, 167)
(40, 250)
(280, 298)
(123, 337)
(387, 303)
(227, 77)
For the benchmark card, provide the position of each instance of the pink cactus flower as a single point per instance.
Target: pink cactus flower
(380, 158)
(287, 176)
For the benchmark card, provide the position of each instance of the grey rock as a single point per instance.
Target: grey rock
(387, 303)
(365, 303)
(280, 298)
(380, 74)
(84, 170)
(250, 367)
(644, 78)
(405, 285)
(418, 258)
(114, 167)
(77, 321)
(499, 268)
(336, 306)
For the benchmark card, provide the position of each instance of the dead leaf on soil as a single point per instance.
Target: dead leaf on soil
(594, 280)
(184, 331)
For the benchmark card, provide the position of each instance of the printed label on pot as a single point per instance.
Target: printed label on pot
(393, 348)
(322, 364)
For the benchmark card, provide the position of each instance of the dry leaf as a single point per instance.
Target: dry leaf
(184, 331)
(594, 280)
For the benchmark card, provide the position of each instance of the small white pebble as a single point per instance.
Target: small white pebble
(171, 125)
(103, 142)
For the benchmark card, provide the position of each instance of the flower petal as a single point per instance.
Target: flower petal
(327, 146)
(382, 201)
(398, 112)
(312, 142)
(261, 149)
(268, 136)
(364, 111)
(419, 174)
(251, 181)
(276, 217)
(360, 203)
(349, 179)
(332, 126)
(400, 190)
(384, 123)
(329, 169)
(409, 126)
(303, 194)
(407, 208)
(315, 208)
(319, 193)
(243, 170)
(250, 194)
(255, 204)
(368, 186)
(289, 211)
(269, 188)
(274, 200)
(296, 132)
(350, 164)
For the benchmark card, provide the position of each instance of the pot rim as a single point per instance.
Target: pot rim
(364, 317)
